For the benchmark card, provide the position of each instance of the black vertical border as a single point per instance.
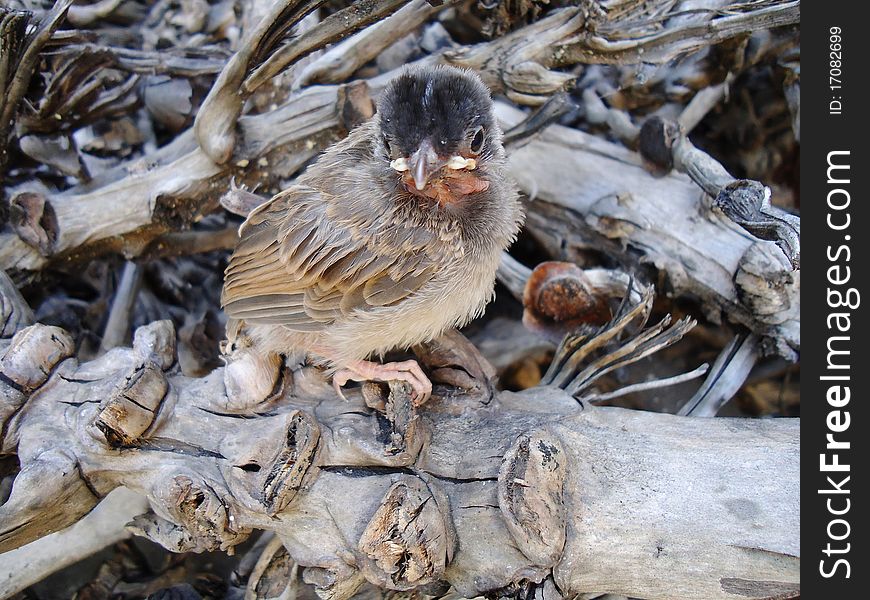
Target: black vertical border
(821, 133)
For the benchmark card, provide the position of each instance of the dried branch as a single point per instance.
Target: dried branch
(626, 38)
(647, 385)
(120, 315)
(103, 526)
(342, 60)
(177, 187)
(19, 54)
(522, 64)
(665, 144)
(589, 193)
(439, 499)
(216, 121)
(82, 16)
(728, 374)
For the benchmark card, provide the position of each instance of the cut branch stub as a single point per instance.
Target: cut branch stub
(156, 342)
(559, 297)
(455, 362)
(293, 461)
(333, 585)
(408, 542)
(406, 436)
(194, 516)
(530, 484)
(769, 295)
(406, 433)
(34, 220)
(33, 353)
(132, 407)
(656, 143)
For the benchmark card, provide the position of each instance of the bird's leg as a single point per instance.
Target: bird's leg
(408, 371)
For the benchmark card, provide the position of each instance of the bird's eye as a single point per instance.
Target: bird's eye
(477, 141)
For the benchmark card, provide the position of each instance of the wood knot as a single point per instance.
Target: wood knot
(156, 342)
(530, 483)
(656, 143)
(34, 220)
(457, 369)
(274, 574)
(33, 354)
(762, 288)
(747, 203)
(559, 297)
(201, 520)
(133, 405)
(408, 541)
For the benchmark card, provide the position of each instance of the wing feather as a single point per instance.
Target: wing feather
(299, 266)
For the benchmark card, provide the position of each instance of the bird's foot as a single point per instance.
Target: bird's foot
(408, 371)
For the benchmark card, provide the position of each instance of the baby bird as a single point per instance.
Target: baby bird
(392, 237)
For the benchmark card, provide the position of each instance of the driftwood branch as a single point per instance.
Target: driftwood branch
(103, 526)
(633, 37)
(342, 60)
(486, 492)
(216, 121)
(520, 491)
(20, 44)
(577, 205)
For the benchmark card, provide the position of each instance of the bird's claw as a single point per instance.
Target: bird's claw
(408, 371)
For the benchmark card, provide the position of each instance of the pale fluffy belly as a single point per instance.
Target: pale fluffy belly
(452, 300)
(458, 295)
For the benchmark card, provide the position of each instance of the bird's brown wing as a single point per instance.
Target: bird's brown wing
(297, 266)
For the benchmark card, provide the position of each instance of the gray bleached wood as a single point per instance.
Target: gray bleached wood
(481, 490)
(588, 193)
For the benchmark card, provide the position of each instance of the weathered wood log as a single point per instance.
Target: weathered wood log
(103, 526)
(482, 491)
(592, 194)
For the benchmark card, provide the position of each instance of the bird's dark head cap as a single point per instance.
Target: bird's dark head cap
(440, 103)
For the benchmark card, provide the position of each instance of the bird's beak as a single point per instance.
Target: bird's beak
(423, 163)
